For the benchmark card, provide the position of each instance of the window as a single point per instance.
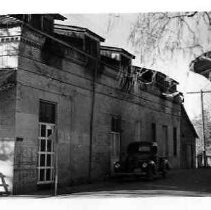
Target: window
(47, 112)
(26, 18)
(91, 46)
(116, 124)
(175, 141)
(47, 24)
(138, 131)
(115, 145)
(36, 21)
(165, 141)
(115, 139)
(46, 142)
(153, 132)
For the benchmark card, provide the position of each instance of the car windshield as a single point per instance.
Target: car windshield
(144, 149)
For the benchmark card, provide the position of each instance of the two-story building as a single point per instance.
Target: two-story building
(70, 106)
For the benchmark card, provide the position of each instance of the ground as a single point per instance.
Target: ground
(186, 182)
(189, 182)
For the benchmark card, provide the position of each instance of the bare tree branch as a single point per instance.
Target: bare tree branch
(157, 35)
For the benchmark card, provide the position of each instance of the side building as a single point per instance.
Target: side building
(69, 106)
(188, 141)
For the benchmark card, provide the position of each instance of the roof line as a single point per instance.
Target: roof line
(78, 27)
(103, 47)
(165, 75)
(191, 124)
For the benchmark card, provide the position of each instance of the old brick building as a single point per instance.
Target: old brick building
(66, 99)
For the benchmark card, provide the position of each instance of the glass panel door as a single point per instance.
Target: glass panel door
(46, 153)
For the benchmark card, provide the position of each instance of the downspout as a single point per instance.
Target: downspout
(92, 119)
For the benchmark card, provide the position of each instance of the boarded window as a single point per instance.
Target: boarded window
(47, 112)
(175, 141)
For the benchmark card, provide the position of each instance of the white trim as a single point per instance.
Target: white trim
(46, 153)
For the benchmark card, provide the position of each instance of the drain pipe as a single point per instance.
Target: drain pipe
(92, 120)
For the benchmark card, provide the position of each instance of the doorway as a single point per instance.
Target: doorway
(165, 141)
(46, 140)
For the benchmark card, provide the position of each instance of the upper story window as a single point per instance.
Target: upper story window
(47, 24)
(26, 18)
(91, 46)
(36, 21)
(42, 22)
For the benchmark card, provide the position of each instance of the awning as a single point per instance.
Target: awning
(7, 78)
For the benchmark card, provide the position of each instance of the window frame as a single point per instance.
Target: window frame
(154, 132)
(45, 167)
(46, 139)
(175, 141)
(116, 124)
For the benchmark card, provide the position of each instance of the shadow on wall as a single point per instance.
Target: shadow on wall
(7, 160)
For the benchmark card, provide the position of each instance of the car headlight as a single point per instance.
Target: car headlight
(117, 165)
(144, 165)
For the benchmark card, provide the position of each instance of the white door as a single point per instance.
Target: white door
(46, 153)
(115, 148)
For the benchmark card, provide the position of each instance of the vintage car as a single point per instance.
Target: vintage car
(142, 160)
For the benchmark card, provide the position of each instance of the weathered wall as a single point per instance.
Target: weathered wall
(9, 45)
(136, 126)
(7, 133)
(9, 48)
(67, 82)
(73, 118)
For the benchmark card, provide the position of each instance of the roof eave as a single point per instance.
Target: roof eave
(58, 16)
(79, 29)
(117, 49)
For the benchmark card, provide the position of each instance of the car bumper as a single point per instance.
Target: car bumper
(125, 174)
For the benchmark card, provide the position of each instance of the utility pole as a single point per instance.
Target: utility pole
(203, 128)
(203, 121)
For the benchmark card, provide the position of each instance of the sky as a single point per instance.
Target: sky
(116, 28)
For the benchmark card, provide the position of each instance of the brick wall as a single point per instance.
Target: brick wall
(69, 84)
